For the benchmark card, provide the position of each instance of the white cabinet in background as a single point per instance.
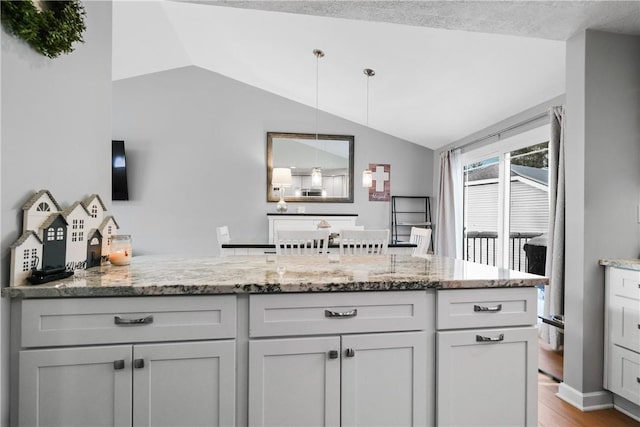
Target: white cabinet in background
(360, 374)
(308, 222)
(488, 376)
(622, 333)
(139, 383)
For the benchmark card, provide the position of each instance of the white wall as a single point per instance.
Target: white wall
(196, 153)
(56, 131)
(603, 189)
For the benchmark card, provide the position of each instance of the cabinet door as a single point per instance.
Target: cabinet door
(384, 380)
(294, 382)
(75, 387)
(487, 383)
(624, 373)
(180, 384)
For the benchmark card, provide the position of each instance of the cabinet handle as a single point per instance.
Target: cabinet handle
(138, 363)
(349, 352)
(638, 379)
(480, 338)
(352, 313)
(141, 321)
(118, 364)
(333, 354)
(487, 309)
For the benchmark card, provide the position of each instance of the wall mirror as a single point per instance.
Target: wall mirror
(330, 155)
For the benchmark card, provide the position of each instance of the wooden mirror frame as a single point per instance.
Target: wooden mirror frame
(272, 195)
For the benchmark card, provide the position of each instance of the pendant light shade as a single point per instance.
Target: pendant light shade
(367, 178)
(316, 178)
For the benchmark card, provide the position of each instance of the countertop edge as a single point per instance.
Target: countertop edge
(628, 264)
(32, 292)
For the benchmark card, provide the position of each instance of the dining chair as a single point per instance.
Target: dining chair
(222, 233)
(302, 242)
(422, 238)
(364, 242)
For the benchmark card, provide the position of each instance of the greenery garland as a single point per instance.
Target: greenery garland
(50, 31)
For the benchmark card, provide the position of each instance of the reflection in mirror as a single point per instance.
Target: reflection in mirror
(329, 158)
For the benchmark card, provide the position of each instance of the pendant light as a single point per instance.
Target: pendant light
(316, 172)
(367, 175)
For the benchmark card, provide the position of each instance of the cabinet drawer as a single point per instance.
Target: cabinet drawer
(624, 373)
(482, 308)
(76, 321)
(336, 313)
(624, 283)
(624, 322)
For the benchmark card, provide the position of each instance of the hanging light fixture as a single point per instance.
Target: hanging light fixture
(316, 172)
(367, 175)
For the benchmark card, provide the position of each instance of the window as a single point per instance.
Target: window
(60, 233)
(43, 207)
(94, 211)
(51, 233)
(74, 236)
(109, 230)
(80, 236)
(506, 199)
(81, 224)
(34, 258)
(74, 224)
(94, 241)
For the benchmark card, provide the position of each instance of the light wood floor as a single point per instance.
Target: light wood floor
(554, 412)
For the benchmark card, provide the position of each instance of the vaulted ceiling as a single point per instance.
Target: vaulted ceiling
(444, 69)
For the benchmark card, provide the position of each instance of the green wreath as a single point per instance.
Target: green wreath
(50, 31)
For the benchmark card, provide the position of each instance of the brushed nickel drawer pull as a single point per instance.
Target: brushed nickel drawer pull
(482, 308)
(141, 321)
(138, 363)
(342, 314)
(480, 338)
(333, 354)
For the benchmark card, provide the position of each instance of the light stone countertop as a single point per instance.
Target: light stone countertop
(155, 275)
(628, 264)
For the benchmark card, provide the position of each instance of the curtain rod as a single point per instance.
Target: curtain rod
(507, 129)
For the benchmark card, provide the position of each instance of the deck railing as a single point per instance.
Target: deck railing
(480, 246)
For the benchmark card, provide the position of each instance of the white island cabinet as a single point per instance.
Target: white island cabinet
(126, 361)
(355, 359)
(622, 338)
(487, 357)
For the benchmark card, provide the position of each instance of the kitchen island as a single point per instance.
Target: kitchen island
(266, 340)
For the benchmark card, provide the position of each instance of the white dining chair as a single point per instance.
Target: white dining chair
(302, 242)
(422, 238)
(222, 233)
(364, 242)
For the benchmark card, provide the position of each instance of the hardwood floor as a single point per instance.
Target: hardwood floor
(554, 412)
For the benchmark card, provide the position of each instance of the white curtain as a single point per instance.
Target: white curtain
(448, 227)
(554, 269)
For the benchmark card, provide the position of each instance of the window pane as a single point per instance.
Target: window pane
(528, 208)
(481, 206)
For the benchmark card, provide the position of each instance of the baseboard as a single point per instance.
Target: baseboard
(591, 401)
(626, 407)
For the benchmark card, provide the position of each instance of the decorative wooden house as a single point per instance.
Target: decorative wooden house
(96, 209)
(79, 220)
(26, 254)
(53, 234)
(108, 228)
(94, 248)
(37, 209)
(74, 238)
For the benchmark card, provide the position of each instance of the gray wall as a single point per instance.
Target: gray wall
(196, 153)
(603, 187)
(56, 128)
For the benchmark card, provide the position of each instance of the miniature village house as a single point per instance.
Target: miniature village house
(74, 238)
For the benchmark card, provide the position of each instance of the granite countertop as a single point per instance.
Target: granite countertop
(629, 264)
(154, 275)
